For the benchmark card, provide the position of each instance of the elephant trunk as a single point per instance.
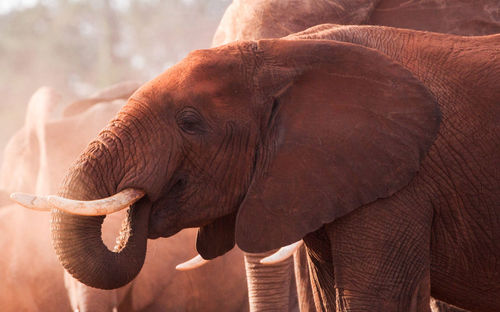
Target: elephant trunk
(77, 239)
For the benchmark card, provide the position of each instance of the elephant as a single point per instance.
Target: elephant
(20, 165)
(260, 19)
(36, 289)
(34, 161)
(250, 20)
(156, 289)
(378, 137)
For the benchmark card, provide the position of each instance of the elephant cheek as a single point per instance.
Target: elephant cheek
(162, 223)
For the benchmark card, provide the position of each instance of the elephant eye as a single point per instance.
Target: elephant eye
(190, 121)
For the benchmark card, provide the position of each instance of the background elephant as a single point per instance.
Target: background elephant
(43, 148)
(159, 286)
(406, 19)
(396, 118)
(21, 160)
(250, 20)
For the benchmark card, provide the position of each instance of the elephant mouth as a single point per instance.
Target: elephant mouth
(166, 209)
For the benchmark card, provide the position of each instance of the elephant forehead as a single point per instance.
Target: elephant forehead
(208, 70)
(205, 80)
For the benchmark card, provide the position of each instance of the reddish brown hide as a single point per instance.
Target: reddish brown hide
(334, 132)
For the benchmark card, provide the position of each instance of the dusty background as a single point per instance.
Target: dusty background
(78, 47)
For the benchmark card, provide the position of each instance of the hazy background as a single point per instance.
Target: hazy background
(80, 46)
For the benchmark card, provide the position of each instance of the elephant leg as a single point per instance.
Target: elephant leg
(303, 281)
(381, 256)
(268, 285)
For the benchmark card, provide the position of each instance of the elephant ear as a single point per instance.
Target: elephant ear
(216, 238)
(346, 126)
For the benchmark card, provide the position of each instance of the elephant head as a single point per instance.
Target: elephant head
(254, 142)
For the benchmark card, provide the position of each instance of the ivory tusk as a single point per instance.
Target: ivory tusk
(194, 263)
(33, 202)
(282, 254)
(99, 207)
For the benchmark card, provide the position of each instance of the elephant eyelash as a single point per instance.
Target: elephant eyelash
(190, 121)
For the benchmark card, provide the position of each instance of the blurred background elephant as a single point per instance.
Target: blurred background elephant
(258, 19)
(26, 235)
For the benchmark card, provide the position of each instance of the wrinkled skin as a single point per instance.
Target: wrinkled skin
(250, 20)
(368, 137)
(156, 288)
(447, 280)
(219, 284)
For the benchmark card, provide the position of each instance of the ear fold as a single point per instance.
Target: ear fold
(351, 127)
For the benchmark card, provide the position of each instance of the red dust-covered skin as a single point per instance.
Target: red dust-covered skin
(351, 145)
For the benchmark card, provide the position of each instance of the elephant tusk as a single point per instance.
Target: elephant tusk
(194, 263)
(282, 254)
(99, 207)
(33, 202)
